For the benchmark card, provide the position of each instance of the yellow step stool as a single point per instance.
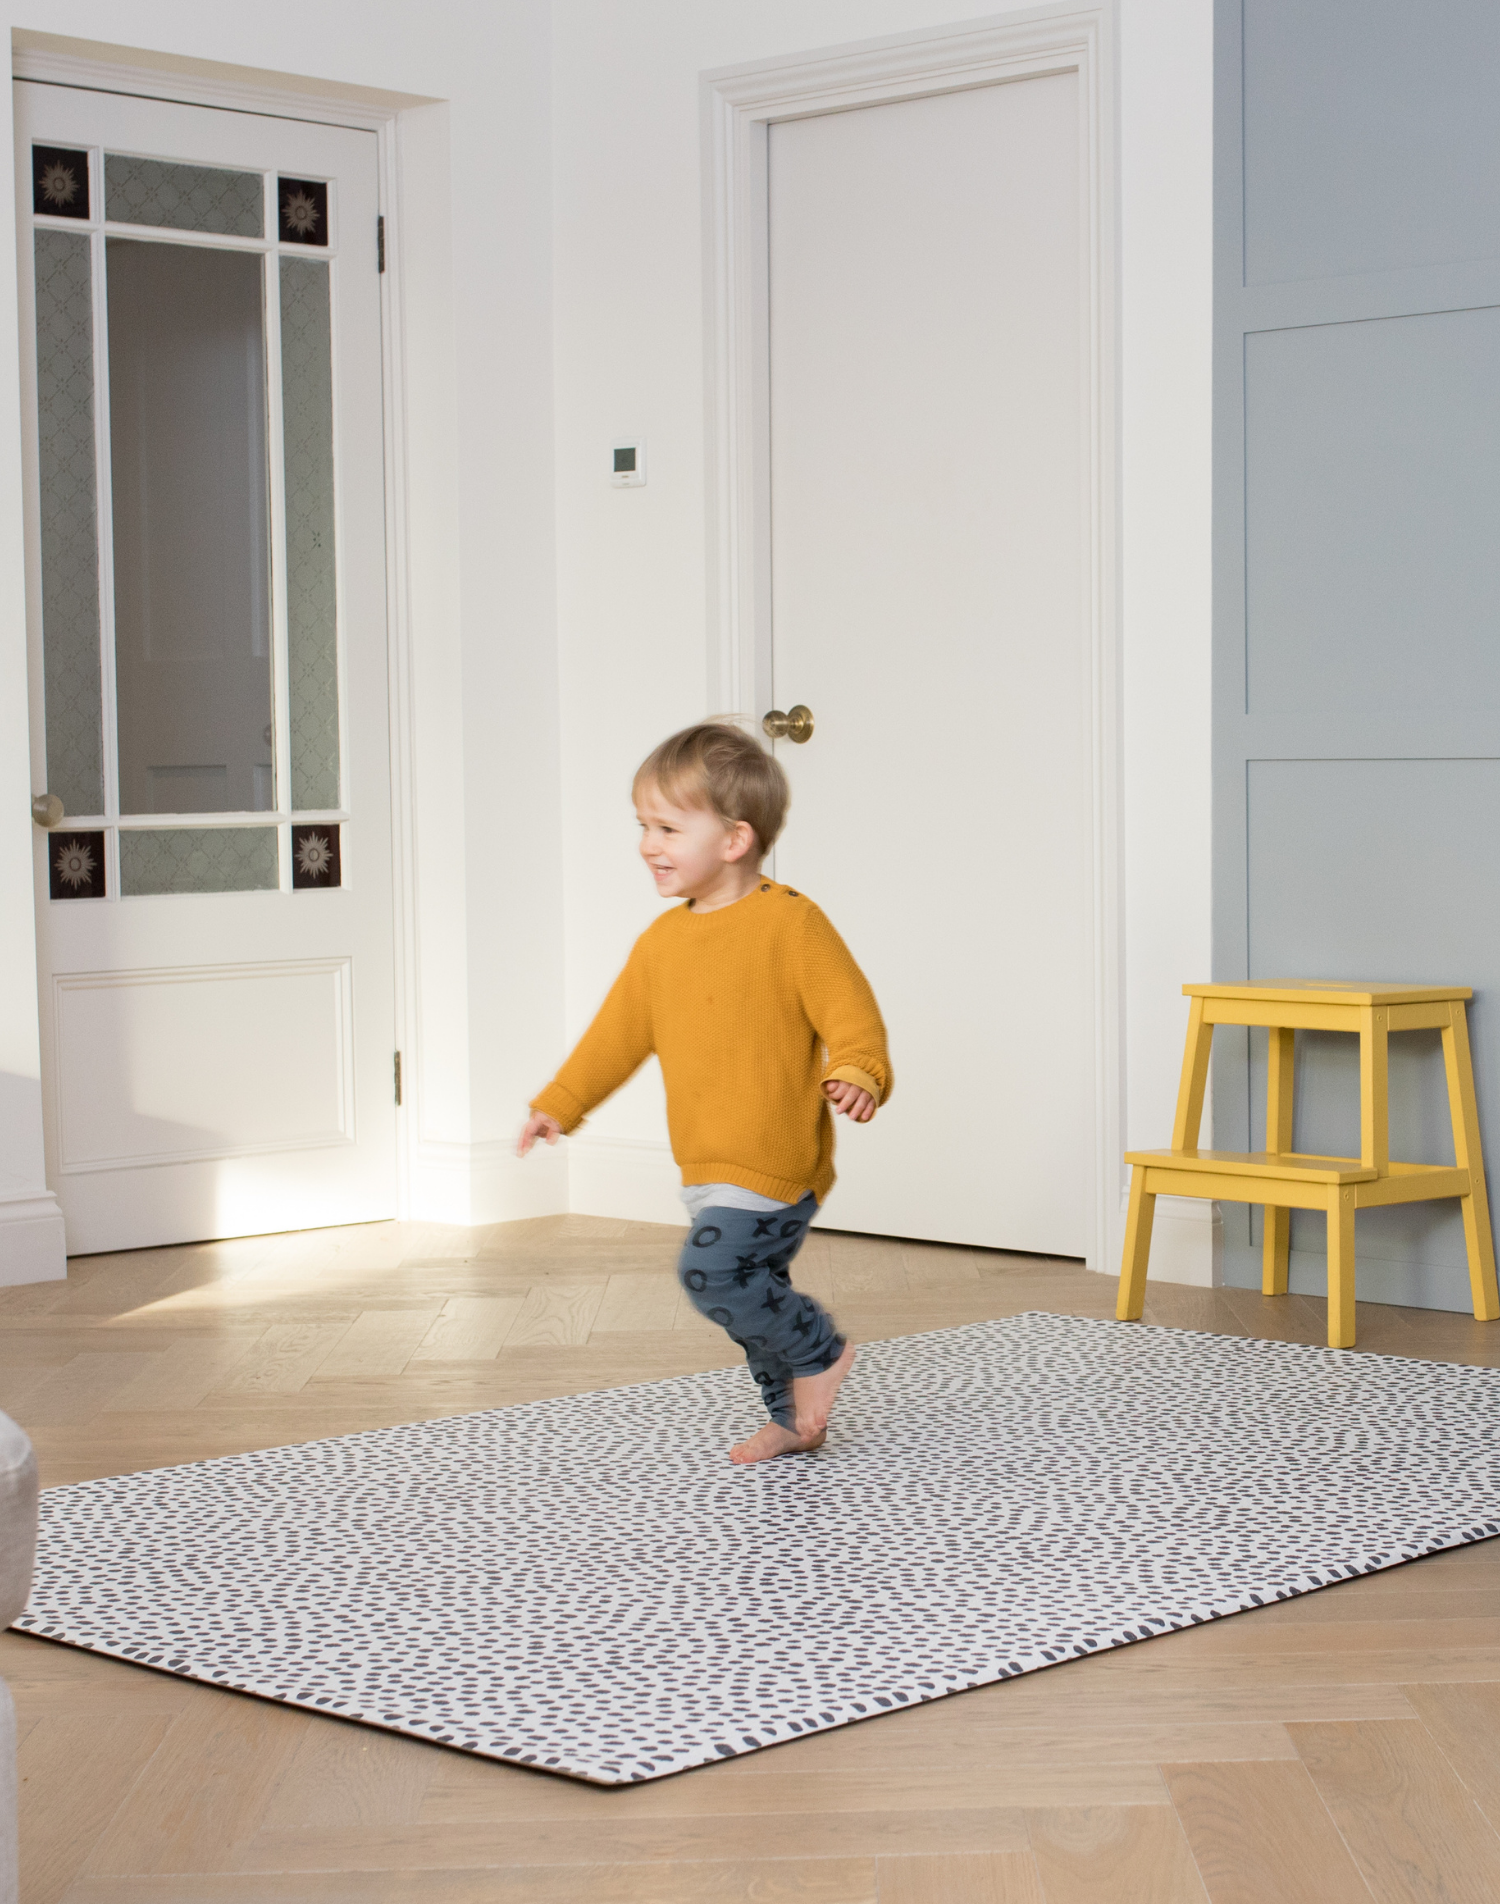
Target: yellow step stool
(1284, 1180)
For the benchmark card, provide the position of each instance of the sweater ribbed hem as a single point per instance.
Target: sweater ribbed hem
(783, 1189)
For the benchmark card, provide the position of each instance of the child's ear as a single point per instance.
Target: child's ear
(739, 841)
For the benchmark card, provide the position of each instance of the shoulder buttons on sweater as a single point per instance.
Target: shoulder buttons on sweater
(792, 895)
(765, 888)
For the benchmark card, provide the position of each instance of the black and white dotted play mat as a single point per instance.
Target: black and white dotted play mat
(588, 1586)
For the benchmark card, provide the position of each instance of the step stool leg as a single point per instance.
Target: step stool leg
(1276, 1250)
(1468, 1154)
(1341, 1269)
(1374, 1089)
(1137, 1248)
(1195, 1056)
(1276, 1245)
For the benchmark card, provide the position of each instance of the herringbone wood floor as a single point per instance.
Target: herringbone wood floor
(1343, 1746)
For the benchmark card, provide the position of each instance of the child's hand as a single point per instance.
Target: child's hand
(856, 1104)
(538, 1125)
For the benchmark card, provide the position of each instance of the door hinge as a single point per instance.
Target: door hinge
(380, 243)
(398, 1077)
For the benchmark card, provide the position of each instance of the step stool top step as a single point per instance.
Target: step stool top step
(1290, 1168)
(1341, 991)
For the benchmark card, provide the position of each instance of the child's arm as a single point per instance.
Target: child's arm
(837, 998)
(613, 1048)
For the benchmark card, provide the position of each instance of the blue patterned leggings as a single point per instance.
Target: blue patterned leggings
(736, 1269)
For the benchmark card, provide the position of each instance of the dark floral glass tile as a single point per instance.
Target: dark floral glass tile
(315, 857)
(75, 865)
(301, 211)
(59, 181)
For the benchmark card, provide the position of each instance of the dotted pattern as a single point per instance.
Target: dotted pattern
(69, 521)
(183, 197)
(311, 581)
(587, 1585)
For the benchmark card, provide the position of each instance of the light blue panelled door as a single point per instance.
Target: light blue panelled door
(201, 324)
(1357, 624)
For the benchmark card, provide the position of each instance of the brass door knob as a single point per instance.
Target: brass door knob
(47, 810)
(796, 725)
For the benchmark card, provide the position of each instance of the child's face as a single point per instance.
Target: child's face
(689, 849)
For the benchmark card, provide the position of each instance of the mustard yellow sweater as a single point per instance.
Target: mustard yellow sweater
(749, 1008)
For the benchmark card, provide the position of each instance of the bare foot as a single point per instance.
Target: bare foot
(772, 1440)
(813, 1395)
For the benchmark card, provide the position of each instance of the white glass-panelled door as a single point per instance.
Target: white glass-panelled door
(200, 313)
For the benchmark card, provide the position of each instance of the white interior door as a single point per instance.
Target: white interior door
(200, 314)
(930, 604)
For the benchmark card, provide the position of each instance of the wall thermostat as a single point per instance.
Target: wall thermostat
(628, 468)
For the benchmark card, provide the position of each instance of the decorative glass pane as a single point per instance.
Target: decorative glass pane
(301, 211)
(185, 197)
(315, 857)
(198, 859)
(187, 410)
(75, 865)
(59, 182)
(69, 521)
(311, 600)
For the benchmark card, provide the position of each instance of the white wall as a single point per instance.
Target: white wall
(631, 563)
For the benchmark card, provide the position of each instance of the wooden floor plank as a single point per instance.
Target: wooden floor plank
(633, 1303)
(73, 1773)
(1114, 1855)
(557, 1314)
(182, 1375)
(929, 1267)
(1260, 1832)
(996, 1877)
(1414, 1830)
(380, 1342)
(874, 1274)
(198, 1803)
(610, 1836)
(81, 1389)
(733, 1881)
(469, 1329)
(284, 1360)
(1465, 1722)
(342, 1777)
(472, 1792)
(981, 1735)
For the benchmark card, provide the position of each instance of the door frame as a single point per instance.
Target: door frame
(180, 85)
(739, 103)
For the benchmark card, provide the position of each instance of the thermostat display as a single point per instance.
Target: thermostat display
(629, 466)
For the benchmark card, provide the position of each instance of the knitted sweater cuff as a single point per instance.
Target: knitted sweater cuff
(560, 1103)
(851, 1074)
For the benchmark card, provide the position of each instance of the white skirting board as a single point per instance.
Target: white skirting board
(33, 1247)
(634, 1178)
(1187, 1242)
(487, 1182)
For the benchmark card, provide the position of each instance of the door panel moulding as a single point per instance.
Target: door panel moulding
(53, 60)
(738, 105)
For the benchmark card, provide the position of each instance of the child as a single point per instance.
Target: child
(762, 1023)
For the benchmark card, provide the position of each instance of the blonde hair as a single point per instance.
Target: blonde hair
(716, 766)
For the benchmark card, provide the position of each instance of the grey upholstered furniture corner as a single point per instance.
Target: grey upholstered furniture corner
(17, 1553)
